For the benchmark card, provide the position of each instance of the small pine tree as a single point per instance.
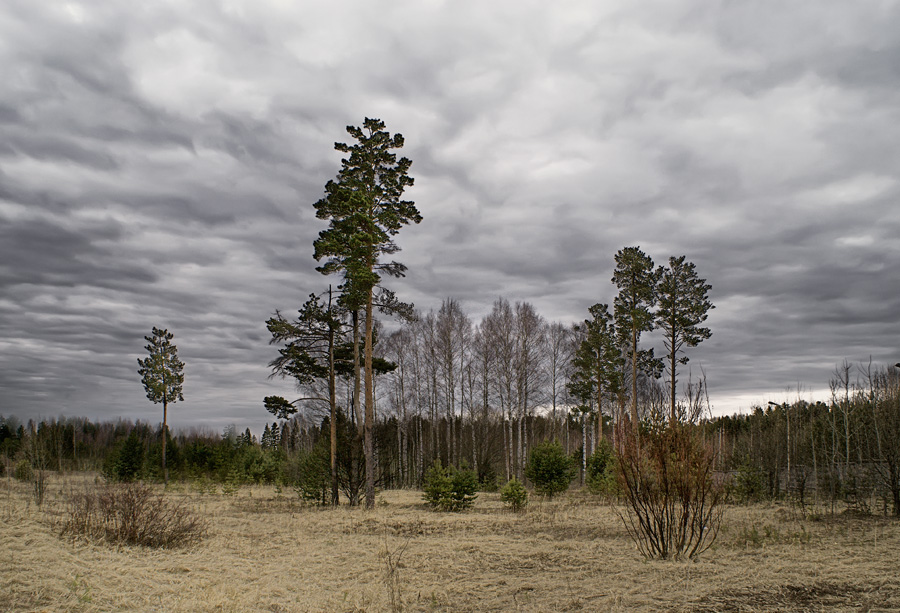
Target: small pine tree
(266, 441)
(601, 476)
(276, 435)
(311, 474)
(449, 489)
(246, 439)
(514, 495)
(127, 462)
(549, 469)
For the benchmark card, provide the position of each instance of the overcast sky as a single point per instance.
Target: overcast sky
(159, 162)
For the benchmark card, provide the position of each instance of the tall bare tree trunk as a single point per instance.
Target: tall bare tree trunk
(599, 408)
(672, 417)
(335, 489)
(356, 376)
(520, 448)
(507, 446)
(584, 446)
(370, 410)
(165, 433)
(634, 371)
(332, 402)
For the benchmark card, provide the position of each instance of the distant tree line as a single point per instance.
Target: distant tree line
(842, 452)
(846, 450)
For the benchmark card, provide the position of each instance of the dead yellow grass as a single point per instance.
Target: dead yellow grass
(267, 552)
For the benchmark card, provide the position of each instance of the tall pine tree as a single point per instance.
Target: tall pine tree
(365, 210)
(163, 379)
(636, 279)
(683, 305)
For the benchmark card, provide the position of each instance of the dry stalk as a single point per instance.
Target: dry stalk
(392, 581)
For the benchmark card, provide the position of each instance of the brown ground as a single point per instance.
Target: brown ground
(267, 552)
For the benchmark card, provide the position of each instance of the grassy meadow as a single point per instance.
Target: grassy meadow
(266, 551)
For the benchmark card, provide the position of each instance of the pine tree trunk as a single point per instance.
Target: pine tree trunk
(356, 371)
(634, 369)
(507, 445)
(584, 446)
(370, 410)
(332, 400)
(672, 357)
(599, 402)
(165, 432)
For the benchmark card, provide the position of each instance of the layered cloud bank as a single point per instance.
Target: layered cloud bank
(158, 166)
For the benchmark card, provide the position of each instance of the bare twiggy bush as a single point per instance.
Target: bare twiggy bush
(132, 514)
(391, 560)
(674, 504)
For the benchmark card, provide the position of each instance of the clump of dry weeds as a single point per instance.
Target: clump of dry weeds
(391, 565)
(130, 514)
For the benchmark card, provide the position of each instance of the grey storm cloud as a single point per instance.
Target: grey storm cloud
(158, 165)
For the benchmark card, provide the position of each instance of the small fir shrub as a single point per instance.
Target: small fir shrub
(131, 514)
(204, 485)
(311, 475)
(549, 469)
(23, 471)
(449, 489)
(488, 480)
(125, 463)
(514, 495)
(233, 482)
(748, 484)
(601, 473)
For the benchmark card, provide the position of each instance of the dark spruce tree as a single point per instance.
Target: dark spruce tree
(365, 210)
(163, 379)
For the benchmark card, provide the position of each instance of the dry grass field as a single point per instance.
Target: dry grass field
(265, 551)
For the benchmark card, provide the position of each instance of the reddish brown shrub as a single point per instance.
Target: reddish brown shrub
(674, 503)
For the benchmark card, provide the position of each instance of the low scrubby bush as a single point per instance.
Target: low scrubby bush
(131, 514)
(514, 495)
(673, 501)
(449, 488)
